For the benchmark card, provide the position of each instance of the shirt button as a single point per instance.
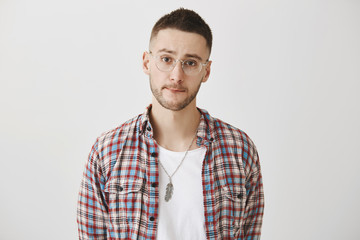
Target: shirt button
(154, 154)
(239, 195)
(148, 128)
(211, 139)
(153, 185)
(120, 188)
(152, 218)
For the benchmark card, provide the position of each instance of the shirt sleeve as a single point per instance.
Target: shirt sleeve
(254, 209)
(92, 211)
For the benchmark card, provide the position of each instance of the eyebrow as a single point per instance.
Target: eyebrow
(188, 55)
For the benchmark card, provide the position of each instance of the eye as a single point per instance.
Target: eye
(191, 63)
(166, 59)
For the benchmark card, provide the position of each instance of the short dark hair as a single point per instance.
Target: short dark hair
(185, 20)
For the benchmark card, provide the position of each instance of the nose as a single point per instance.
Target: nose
(177, 74)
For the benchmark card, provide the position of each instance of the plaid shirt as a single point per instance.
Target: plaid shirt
(119, 197)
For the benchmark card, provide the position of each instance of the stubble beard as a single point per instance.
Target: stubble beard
(177, 106)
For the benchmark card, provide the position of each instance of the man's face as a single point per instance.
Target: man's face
(175, 90)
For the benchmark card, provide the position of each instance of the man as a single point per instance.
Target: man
(173, 172)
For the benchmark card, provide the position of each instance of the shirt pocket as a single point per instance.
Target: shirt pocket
(124, 200)
(235, 200)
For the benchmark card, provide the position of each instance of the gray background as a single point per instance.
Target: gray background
(286, 72)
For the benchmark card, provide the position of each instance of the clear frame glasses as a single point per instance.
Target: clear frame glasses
(167, 63)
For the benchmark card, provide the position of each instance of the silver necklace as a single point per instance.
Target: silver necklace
(170, 186)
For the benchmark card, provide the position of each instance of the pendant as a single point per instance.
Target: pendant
(169, 191)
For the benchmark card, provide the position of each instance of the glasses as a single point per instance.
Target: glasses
(166, 63)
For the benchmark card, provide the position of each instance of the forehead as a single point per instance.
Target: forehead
(180, 42)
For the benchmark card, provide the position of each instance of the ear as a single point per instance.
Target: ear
(207, 71)
(146, 63)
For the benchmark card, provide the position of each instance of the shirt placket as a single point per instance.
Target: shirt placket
(208, 191)
(152, 182)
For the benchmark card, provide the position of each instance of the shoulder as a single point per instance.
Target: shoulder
(226, 132)
(230, 139)
(114, 139)
(229, 133)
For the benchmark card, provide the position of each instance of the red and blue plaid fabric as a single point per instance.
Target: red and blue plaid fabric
(119, 197)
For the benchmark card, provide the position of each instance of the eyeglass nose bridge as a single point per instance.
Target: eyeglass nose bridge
(175, 62)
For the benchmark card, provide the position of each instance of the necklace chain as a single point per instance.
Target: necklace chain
(169, 186)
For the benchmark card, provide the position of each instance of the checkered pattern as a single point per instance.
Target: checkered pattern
(119, 200)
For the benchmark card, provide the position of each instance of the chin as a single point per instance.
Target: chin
(176, 106)
(173, 107)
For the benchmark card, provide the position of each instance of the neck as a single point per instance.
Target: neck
(174, 130)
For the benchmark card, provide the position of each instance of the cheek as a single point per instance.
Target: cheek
(157, 76)
(156, 79)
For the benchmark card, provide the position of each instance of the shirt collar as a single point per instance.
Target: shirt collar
(205, 132)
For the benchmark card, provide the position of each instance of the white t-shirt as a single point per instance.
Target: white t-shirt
(183, 216)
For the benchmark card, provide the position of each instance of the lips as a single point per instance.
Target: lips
(174, 89)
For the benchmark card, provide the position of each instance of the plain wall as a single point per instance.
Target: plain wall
(285, 72)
